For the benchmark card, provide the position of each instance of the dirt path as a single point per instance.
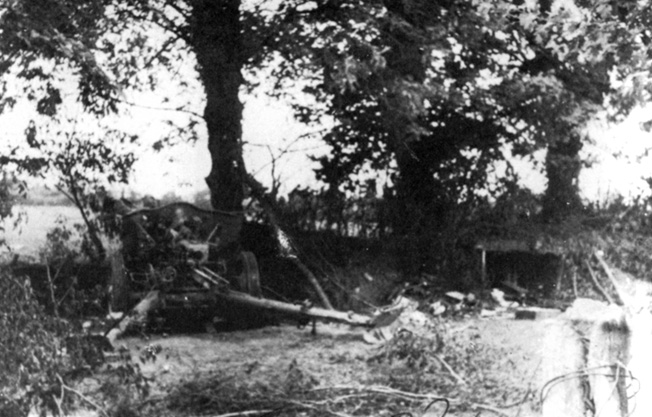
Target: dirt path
(338, 356)
(262, 352)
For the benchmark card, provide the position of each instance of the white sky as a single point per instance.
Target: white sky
(269, 132)
(618, 153)
(621, 161)
(268, 129)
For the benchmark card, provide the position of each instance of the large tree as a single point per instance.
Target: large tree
(403, 78)
(516, 75)
(108, 47)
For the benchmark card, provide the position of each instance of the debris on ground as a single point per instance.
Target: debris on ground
(410, 318)
(536, 313)
(498, 296)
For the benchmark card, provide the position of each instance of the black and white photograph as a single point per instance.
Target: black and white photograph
(325, 208)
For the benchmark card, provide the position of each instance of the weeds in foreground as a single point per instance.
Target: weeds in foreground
(296, 395)
(404, 376)
(452, 365)
(46, 362)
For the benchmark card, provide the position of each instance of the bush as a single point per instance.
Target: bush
(31, 351)
(43, 357)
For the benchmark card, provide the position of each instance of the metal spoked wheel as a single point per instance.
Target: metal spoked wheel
(249, 278)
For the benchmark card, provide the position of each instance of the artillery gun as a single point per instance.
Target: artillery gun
(182, 256)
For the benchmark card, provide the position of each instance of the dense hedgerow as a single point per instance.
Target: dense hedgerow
(31, 351)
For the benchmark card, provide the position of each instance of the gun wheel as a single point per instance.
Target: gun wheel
(249, 278)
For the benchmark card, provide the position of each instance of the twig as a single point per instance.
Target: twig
(596, 284)
(168, 109)
(73, 195)
(244, 413)
(53, 298)
(59, 401)
(450, 369)
(529, 389)
(413, 396)
(312, 407)
(82, 396)
(489, 408)
(574, 279)
(386, 391)
(160, 52)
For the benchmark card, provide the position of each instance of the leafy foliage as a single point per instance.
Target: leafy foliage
(31, 351)
(432, 94)
(11, 189)
(58, 31)
(45, 356)
(82, 163)
(437, 92)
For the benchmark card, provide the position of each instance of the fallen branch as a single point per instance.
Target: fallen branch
(619, 291)
(489, 408)
(597, 285)
(413, 396)
(450, 369)
(53, 298)
(245, 413)
(313, 281)
(82, 396)
(385, 391)
(323, 410)
(273, 213)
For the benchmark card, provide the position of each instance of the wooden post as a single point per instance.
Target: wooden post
(563, 354)
(608, 351)
(640, 365)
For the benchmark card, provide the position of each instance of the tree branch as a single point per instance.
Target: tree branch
(82, 396)
(597, 285)
(171, 109)
(270, 207)
(619, 290)
(178, 9)
(163, 49)
(92, 230)
(171, 28)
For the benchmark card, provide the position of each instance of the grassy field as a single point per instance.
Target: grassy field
(29, 236)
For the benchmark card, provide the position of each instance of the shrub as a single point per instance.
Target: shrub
(31, 351)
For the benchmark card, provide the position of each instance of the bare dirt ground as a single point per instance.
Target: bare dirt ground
(496, 361)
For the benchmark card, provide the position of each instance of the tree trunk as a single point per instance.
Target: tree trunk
(563, 166)
(216, 39)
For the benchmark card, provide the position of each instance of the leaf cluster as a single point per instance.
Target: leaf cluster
(31, 350)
